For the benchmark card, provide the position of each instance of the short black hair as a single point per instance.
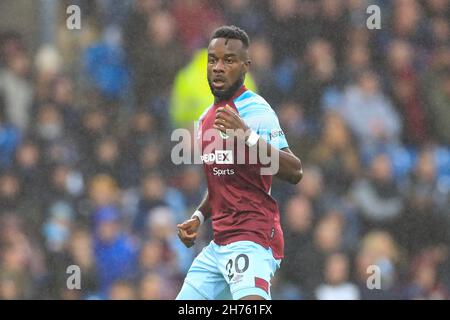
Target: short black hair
(232, 32)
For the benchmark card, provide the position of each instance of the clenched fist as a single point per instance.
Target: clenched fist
(187, 231)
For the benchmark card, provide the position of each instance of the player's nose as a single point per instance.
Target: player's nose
(219, 66)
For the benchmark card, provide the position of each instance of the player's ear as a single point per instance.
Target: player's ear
(247, 64)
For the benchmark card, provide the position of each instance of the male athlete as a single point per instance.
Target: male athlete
(248, 241)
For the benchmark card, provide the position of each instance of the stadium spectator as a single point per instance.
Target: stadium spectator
(404, 83)
(425, 283)
(317, 72)
(158, 60)
(122, 290)
(438, 107)
(80, 252)
(336, 155)
(9, 139)
(379, 263)
(370, 114)
(115, 251)
(15, 85)
(426, 206)
(377, 197)
(298, 226)
(336, 285)
(151, 287)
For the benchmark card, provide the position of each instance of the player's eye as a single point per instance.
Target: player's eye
(212, 60)
(229, 60)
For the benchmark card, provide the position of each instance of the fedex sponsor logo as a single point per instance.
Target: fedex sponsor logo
(218, 157)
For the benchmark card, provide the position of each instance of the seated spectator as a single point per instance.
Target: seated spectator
(337, 285)
(22, 262)
(379, 263)
(95, 124)
(106, 160)
(103, 192)
(439, 100)
(299, 131)
(151, 287)
(262, 70)
(15, 85)
(317, 73)
(298, 234)
(313, 187)
(14, 201)
(336, 155)
(15, 280)
(9, 139)
(192, 187)
(81, 253)
(57, 227)
(377, 197)
(406, 93)
(327, 238)
(161, 226)
(106, 67)
(425, 284)
(425, 221)
(155, 192)
(370, 114)
(29, 167)
(115, 250)
(141, 130)
(122, 290)
(156, 63)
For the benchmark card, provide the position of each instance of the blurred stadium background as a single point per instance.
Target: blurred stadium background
(85, 123)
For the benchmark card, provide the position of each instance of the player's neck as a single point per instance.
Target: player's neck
(240, 90)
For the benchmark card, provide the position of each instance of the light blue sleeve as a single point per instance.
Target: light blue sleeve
(265, 122)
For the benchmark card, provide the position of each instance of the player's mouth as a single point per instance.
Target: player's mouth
(218, 84)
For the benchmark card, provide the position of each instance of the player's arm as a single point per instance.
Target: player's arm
(204, 209)
(290, 169)
(290, 166)
(188, 230)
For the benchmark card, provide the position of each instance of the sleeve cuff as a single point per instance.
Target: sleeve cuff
(252, 139)
(199, 215)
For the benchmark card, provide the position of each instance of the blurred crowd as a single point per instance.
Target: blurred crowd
(86, 176)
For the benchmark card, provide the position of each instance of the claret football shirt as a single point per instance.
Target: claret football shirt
(239, 195)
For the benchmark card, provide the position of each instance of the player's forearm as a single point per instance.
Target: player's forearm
(289, 166)
(204, 206)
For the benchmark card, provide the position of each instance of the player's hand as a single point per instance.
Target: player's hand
(187, 231)
(228, 119)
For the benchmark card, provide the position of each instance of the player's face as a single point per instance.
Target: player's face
(227, 65)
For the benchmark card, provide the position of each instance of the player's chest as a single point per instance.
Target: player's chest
(217, 148)
(212, 138)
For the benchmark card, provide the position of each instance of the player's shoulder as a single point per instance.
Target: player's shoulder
(250, 104)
